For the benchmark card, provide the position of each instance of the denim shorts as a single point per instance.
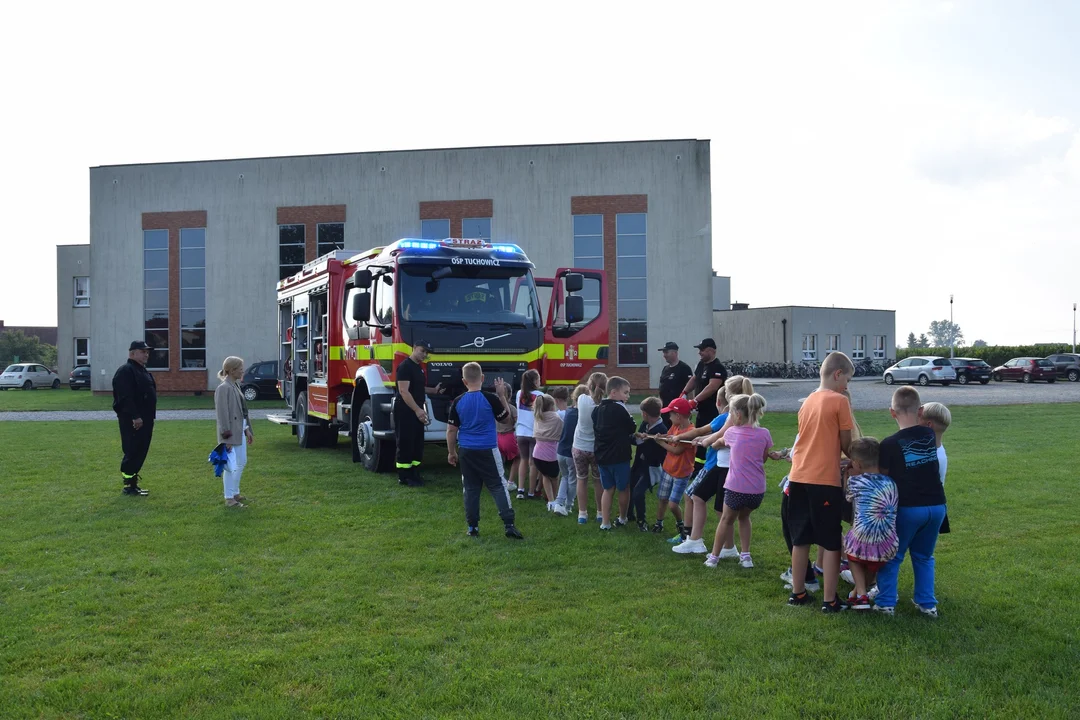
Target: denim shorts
(672, 488)
(615, 476)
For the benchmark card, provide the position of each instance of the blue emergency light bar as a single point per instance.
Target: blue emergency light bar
(459, 244)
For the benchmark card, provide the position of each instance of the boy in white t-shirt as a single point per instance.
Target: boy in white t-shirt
(937, 417)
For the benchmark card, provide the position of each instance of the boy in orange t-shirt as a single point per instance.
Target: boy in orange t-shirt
(815, 495)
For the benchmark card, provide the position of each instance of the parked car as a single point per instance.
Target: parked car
(970, 370)
(79, 377)
(260, 380)
(923, 369)
(1026, 369)
(1067, 365)
(28, 376)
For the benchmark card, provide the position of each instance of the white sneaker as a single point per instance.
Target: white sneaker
(731, 553)
(560, 510)
(711, 560)
(872, 592)
(745, 561)
(928, 612)
(786, 576)
(551, 507)
(689, 547)
(847, 577)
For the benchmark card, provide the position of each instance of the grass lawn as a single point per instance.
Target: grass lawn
(65, 399)
(340, 594)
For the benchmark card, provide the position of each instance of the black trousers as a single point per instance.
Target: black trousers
(640, 482)
(136, 443)
(478, 471)
(409, 435)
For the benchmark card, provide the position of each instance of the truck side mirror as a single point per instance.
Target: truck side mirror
(361, 305)
(573, 282)
(362, 279)
(575, 309)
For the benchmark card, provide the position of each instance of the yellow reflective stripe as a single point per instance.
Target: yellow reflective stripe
(337, 352)
(557, 351)
(348, 381)
(561, 382)
(324, 416)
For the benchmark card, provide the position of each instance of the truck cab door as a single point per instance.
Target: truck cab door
(576, 325)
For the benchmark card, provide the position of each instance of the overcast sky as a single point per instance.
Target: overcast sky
(879, 155)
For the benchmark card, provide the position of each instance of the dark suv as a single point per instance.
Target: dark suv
(79, 377)
(1067, 365)
(970, 370)
(260, 381)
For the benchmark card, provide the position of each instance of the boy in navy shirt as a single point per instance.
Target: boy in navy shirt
(645, 472)
(471, 439)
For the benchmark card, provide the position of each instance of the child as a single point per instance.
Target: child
(938, 418)
(505, 430)
(909, 457)
(871, 541)
(649, 460)
(613, 426)
(561, 394)
(471, 425)
(548, 428)
(744, 488)
(564, 452)
(710, 479)
(815, 497)
(678, 465)
(523, 430)
(585, 444)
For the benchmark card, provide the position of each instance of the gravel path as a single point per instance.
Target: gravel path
(782, 396)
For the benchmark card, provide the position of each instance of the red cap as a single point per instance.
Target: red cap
(679, 405)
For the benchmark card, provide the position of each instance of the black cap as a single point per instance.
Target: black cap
(138, 345)
(706, 343)
(668, 346)
(424, 344)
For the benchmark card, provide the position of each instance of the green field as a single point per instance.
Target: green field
(66, 399)
(340, 594)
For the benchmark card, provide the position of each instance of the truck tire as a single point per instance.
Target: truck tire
(376, 454)
(306, 435)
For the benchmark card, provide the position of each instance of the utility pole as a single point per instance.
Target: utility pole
(952, 330)
(1074, 328)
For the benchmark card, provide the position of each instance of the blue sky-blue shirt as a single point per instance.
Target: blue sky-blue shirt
(474, 414)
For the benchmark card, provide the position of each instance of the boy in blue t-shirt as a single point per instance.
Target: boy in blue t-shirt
(471, 438)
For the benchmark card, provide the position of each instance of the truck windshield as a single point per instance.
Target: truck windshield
(469, 294)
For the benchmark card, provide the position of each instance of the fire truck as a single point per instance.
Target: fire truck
(348, 319)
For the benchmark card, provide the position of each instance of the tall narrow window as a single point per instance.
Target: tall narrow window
(434, 229)
(82, 291)
(589, 254)
(858, 347)
(833, 344)
(631, 290)
(879, 347)
(82, 351)
(193, 298)
(156, 297)
(290, 250)
(809, 347)
(476, 228)
(331, 237)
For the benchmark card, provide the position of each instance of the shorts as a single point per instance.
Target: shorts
(814, 515)
(547, 468)
(615, 476)
(671, 488)
(870, 565)
(508, 446)
(584, 461)
(525, 447)
(708, 484)
(743, 501)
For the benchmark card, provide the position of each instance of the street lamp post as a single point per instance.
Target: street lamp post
(952, 330)
(1074, 328)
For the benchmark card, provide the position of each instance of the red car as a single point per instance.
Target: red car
(1026, 369)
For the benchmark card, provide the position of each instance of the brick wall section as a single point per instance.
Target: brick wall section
(609, 206)
(456, 211)
(173, 380)
(310, 216)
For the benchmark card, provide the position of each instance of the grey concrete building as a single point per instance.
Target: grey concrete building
(72, 306)
(187, 254)
(794, 333)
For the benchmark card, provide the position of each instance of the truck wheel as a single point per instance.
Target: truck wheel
(376, 454)
(304, 432)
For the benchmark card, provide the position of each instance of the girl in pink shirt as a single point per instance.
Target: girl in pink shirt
(745, 486)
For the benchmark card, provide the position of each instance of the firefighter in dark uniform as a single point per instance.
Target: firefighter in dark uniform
(709, 375)
(135, 404)
(673, 378)
(410, 414)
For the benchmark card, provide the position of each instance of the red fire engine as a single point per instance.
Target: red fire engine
(347, 319)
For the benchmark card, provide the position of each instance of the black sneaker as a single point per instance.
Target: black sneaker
(620, 523)
(513, 532)
(473, 531)
(414, 482)
(800, 600)
(135, 490)
(658, 526)
(836, 606)
(642, 526)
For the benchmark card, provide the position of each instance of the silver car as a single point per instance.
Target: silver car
(922, 369)
(27, 376)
